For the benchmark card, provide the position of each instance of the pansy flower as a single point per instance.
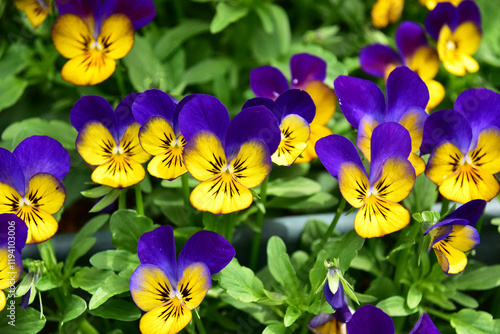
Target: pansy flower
(168, 289)
(13, 235)
(458, 34)
(158, 115)
(369, 319)
(386, 11)
(455, 235)
(294, 110)
(431, 4)
(414, 51)
(464, 148)
(407, 96)
(391, 178)
(109, 140)
(308, 73)
(327, 323)
(228, 156)
(36, 10)
(93, 33)
(30, 184)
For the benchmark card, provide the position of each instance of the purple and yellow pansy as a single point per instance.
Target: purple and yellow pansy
(36, 10)
(159, 135)
(92, 34)
(458, 34)
(463, 147)
(228, 156)
(455, 235)
(431, 4)
(13, 235)
(294, 110)
(414, 52)
(386, 11)
(30, 184)
(407, 96)
(391, 178)
(168, 289)
(109, 140)
(308, 73)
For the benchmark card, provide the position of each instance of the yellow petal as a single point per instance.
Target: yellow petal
(35, 12)
(251, 166)
(169, 318)
(413, 122)
(206, 157)
(379, 217)
(486, 155)
(41, 225)
(168, 165)
(418, 163)
(469, 63)
(463, 238)
(117, 36)
(46, 192)
(9, 199)
(194, 284)
(425, 62)
(3, 300)
(89, 68)
(451, 260)
(385, 11)
(294, 135)
(71, 36)
(131, 145)
(156, 135)
(444, 161)
(119, 172)
(9, 272)
(365, 131)
(221, 194)
(324, 99)
(95, 143)
(318, 131)
(353, 184)
(150, 287)
(396, 181)
(436, 94)
(468, 38)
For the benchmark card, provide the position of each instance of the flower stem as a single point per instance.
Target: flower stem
(445, 204)
(185, 189)
(259, 221)
(333, 224)
(122, 200)
(199, 324)
(119, 81)
(479, 224)
(138, 200)
(87, 328)
(438, 314)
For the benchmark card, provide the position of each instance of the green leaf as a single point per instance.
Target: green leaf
(465, 300)
(74, 308)
(11, 90)
(414, 297)
(173, 38)
(14, 60)
(127, 227)
(483, 278)
(281, 267)
(265, 17)
(120, 310)
(112, 286)
(469, 321)
(274, 329)
(207, 70)
(225, 14)
(395, 306)
(117, 260)
(292, 314)
(24, 322)
(406, 238)
(106, 200)
(90, 278)
(423, 195)
(346, 248)
(47, 282)
(262, 313)
(96, 192)
(240, 282)
(313, 230)
(293, 187)
(318, 201)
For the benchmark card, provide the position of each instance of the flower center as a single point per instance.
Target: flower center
(96, 46)
(450, 45)
(118, 150)
(228, 169)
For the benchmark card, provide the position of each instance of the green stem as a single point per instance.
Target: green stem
(46, 250)
(445, 204)
(185, 189)
(87, 328)
(122, 200)
(332, 226)
(259, 221)
(479, 224)
(438, 314)
(138, 200)
(199, 324)
(119, 81)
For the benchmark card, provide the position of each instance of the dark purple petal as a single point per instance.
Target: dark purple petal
(16, 226)
(481, 107)
(25, 300)
(358, 97)
(443, 13)
(11, 172)
(268, 81)
(375, 59)
(94, 108)
(203, 112)
(140, 12)
(320, 320)
(369, 319)
(42, 154)
(471, 211)
(255, 122)
(306, 68)
(209, 248)
(409, 37)
(338, 302)
(266, 102)
(298, 102)
(81, 8)
(153, 102)
(468, 11)
(443, 231)
(334, 150)
(124, 114)
(405, 90)
(425, 325)
(446, 125)
(158, 248)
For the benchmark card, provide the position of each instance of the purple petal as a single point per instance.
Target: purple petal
(25, 300)
(375, 59)
(471, 211)
(266, 102)
(349, 90)
(338, 303)
(254, 122)
(153, 102)
(140, 12)
(158, 248)
(42, 154)
(11, 172)
(443, 232)
(369, 319)
(298, 102)
(446, 125)
(94, 108)
(203, 112)
(334, 150)
(409, 37)
(268, 81)
(425, 325)
(124, 114)
(443, 13)
(81, 8)
(468, 11)
(16, 226)
(209, 248)
(481, 107)
(306, 68)
(405, 90)
(320, 320)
